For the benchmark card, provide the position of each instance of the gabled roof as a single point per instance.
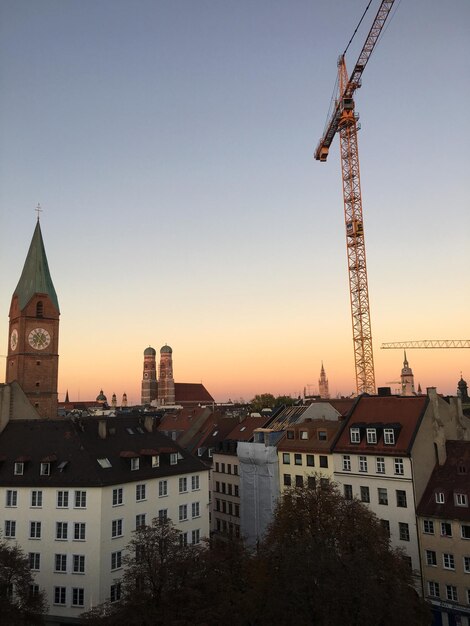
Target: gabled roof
(192, 392)
(449, 479)
(243, 431)
(77, 447)
(35, 277)
(401, 413)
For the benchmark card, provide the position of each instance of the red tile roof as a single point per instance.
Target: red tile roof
(402, 413)
(192, 392)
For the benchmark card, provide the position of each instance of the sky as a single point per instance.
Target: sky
(170, 144)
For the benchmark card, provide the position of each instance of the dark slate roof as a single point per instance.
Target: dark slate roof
(450, 478)
(35, 277)
(76, 442)
(402, 413)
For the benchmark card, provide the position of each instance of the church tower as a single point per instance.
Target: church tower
(33, 358)
(323, 390)
(407, 380)
(149, 376)
(166, 382)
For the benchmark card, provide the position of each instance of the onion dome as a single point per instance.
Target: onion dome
(150, 351)
(166, 349)
(101, 397)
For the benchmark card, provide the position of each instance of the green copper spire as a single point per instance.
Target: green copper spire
(35, 277)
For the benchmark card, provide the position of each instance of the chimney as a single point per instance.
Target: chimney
(102, 429)
(384, 391)
(148, 423)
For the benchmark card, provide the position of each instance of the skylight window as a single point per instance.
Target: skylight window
(242, 428)
(105, 463)
(130, 431)
(62, 465)
(215, 433)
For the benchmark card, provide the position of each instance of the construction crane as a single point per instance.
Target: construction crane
(427, 343)
(344, 120)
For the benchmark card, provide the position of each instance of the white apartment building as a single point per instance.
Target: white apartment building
(73, 492)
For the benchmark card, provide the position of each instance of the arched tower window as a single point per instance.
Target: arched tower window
(40, 309)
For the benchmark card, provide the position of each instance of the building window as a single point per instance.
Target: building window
(60, 561)
(386, 526)
(401, 498)
(78, 564)
(404, 531)
(346, 463)
(298, 459)
(39, 308)
(162, 488)
(45, 469)
(299, 481)
(80, 499)
(382, 495)
(139, 520)
(12, 497)
(115, 592)
(33, 590)
(174, 458)
(183, 485)
(236, 491)
(399, 467)
(323, 461)
(135, 463)
(195, 537)
(155, 460)
(365, 494)
(440, 499)
(428, 527)
(446, 529)
(116, 560)
(79, 530)
(287, 480)
(18, 469)
(140, 492)
(431, 558)
(183, 512)
(61, 530)
(466, 564)
(36, 498)
(380, 465)
(195, 510)
(389, 436)
(195, 483)
(433, 589)
(184, 538)
(448, 561)
(78, 596)
(451, 593)
(10, 529)
(348, 492)
(117, 496)
(363, 464)
(461, 499)
(310, 460)
(311, 482)
(290, 434)
(35, 530)
(59, 595)
(116, 528)
(286, 458)
(322, 435)
(34, 561)
(163, 514)
(62, 499)
(465, 531)
(355, 435)
(222, 468)
(371, 434)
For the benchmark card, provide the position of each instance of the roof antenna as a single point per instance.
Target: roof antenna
(38, 210)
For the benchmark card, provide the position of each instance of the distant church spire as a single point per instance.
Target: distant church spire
(323, 389)
(407, 379)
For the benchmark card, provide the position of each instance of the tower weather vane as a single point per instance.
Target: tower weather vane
(38, 210)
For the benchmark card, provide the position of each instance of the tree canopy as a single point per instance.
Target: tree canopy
(268, 401)
(18, 603)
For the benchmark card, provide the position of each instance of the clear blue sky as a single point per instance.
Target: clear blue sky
(170, 144)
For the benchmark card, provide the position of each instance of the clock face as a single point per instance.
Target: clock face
(14, 339)
(39, 338)
(146, 375)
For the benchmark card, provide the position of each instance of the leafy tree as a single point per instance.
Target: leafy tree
(326, 561)
(263, 401)
(287, 400)
(17, 604)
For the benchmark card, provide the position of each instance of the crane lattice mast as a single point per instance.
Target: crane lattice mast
(344, 120)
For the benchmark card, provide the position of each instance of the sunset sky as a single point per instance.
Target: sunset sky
(170, 144)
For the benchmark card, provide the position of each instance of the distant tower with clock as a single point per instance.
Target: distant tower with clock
(323, 390)
(166, 382)
(149, 376)
(33, 358)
